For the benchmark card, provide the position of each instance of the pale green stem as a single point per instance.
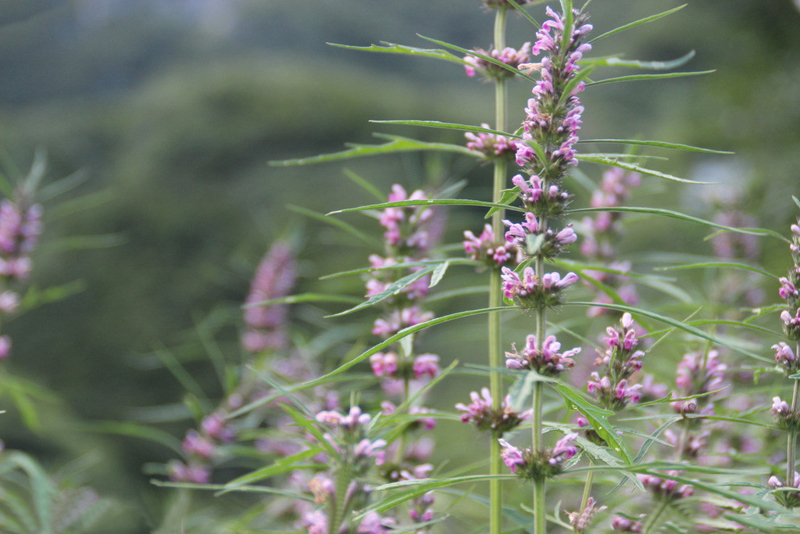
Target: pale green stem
(401, 449)
(539, 519)
(495, 293)
(587, 488)
(791, 445)
(539, 489)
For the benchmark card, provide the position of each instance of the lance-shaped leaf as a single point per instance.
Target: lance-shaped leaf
(395, 144)
(489, 59)
(614, 162)
(393, 289)
(342, 225)
(448, 126)
(639, 22)
(394, 48)
(640, 77)
(659, 144)
(282, 465)
(725, 265)
(682, 216)
(616, 61)
(431, 202)
(597, 417)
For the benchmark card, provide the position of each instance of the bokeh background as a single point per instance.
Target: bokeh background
(173, 109)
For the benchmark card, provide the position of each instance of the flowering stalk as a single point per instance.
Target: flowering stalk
(495, 294)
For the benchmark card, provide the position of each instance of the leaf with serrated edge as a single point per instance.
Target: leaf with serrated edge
(642, 77)
(639, 22)
(615, 61)
(393, 289)
(658, 144)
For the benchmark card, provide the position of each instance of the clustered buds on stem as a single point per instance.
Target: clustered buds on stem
(481, 413)
(666, 488)
(582, 519)
(619, 362)
(508, 56)
(492, 146)
(699, 373)
(492, 252)
(788, 496)
(530, 292)
(548, 361)
(529, 464)
(789, 289)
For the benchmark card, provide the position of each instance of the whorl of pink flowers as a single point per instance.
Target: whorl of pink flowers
(508, 56)
(699, 373)
(490, 251)
(529, 291)
(481, 413)
(666, 487)
(491, 145)
(554, 118)
(20, 227)
(548, 361)
(582, 519)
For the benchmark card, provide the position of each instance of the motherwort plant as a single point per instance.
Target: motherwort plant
(368, 467)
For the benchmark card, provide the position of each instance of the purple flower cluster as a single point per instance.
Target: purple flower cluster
(508, 56)
(789, 289)
(481, 413)
(788, 496)
(786, 358)
(200, 448)
(553, 117)
(623, 524)
(785, 417)
(537, 465)
(492, 146)
(665, 487)
(487, 249)
(548, 361)
(582, 519)
(406, 227)
(619, 362)
(349, 438)
(522, 234)
(530, 292)
(550, 203)
(699, 373)
(274, 278)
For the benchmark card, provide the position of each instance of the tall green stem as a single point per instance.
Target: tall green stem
(495, 293)
(654, 519)
(791, 445)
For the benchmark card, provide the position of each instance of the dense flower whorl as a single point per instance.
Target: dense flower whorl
(481, 413)
(531, 292)
(786, 358)
(699, 373)
(492, 146)
(487, 249)
(666, 487)
(524, 234)
(785, 417)
(548, 361)
(550, 203)
(623, 524)
(787, 495)
(537, 465)
(618, 362)
(508, 56)
(553, 117)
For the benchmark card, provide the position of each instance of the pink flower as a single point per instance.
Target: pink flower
(426, 364)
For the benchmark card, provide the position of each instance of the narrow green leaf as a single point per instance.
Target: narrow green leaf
(597, 417)
(637, 168)
(460, 292)
(682, 216)
(365, 185)
(796, 200)
(282, 465)
(61, 186)
(395, 144)
(438, 273)
(41, 488)
(638, 77)
(405, 265)
(309, 426)
(489, 59)
(431, 202)
(392, 289)
(616, 61)
(366, 354)
(509, 196)
(342, 225)
(677, 324)
(85, 242)
(524, 13)
(659, 144)
(393, 48)
(221, 487)
(448, 126)
(639, 22)
(726, 265)
(581, 77)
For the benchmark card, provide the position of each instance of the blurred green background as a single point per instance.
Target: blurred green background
(173, 109)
